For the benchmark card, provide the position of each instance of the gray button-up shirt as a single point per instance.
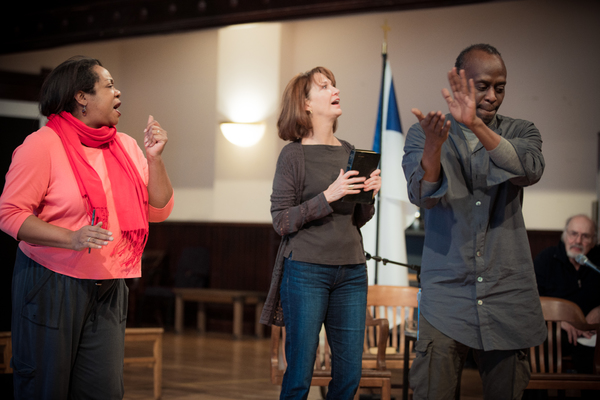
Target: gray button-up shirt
(477, 277)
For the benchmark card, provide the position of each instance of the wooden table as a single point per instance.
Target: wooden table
(236, 297)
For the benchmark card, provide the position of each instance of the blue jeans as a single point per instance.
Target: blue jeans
(316, 294)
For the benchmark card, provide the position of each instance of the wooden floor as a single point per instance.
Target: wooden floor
(215, 367)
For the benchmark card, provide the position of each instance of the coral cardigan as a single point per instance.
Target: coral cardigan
(40, 182)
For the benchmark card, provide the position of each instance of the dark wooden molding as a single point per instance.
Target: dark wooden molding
(50, 24)
(540, 240)
(21, 86)
(241, 255)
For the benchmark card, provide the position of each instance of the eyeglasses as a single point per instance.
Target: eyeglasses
(584, 236)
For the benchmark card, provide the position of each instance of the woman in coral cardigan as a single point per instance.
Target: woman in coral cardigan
(78, 197)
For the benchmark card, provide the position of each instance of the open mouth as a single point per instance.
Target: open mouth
(335, 102)
(116, 107)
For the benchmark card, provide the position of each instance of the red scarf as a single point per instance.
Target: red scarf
(131, 194)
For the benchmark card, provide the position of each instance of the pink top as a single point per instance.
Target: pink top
(40, 182)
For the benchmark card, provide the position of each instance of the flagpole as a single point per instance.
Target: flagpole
(385, 28)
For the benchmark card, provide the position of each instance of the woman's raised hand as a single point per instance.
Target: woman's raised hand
(155, 138)
(346, 183)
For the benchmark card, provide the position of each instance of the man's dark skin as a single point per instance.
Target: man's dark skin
(478, 92)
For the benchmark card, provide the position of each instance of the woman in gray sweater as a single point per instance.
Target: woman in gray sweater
(320, 275)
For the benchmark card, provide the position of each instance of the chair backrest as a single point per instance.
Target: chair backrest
(323, 356)
(547, 358)
(278, 362)
(397, 304)
(153, 270)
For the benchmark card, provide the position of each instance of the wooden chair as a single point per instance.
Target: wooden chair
(379, 377)
(547, 359)
(5, 352)
(398, 305)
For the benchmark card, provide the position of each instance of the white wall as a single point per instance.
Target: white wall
(549, 47)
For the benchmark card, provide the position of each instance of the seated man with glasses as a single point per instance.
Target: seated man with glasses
(559, 275)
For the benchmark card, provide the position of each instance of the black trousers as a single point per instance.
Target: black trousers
(68, 334)
(437, 368)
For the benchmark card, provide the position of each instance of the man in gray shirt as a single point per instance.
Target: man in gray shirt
(468, 170)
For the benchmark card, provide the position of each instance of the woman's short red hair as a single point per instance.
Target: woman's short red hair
(294, 121)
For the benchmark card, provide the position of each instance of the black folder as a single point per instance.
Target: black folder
(365, 162)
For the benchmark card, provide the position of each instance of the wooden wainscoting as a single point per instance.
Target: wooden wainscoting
(540, 240)
(241, 255)
(241, 258)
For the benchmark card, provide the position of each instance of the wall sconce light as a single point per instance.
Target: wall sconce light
(241, 134)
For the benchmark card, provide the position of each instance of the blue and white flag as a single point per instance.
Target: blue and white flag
(396, 212)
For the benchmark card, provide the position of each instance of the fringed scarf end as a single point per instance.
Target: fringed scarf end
(130, 247)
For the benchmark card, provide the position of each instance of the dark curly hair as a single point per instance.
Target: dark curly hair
(65, 81)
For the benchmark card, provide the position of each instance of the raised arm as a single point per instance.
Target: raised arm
(436, 130)
(425, 187)
(160, 189)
